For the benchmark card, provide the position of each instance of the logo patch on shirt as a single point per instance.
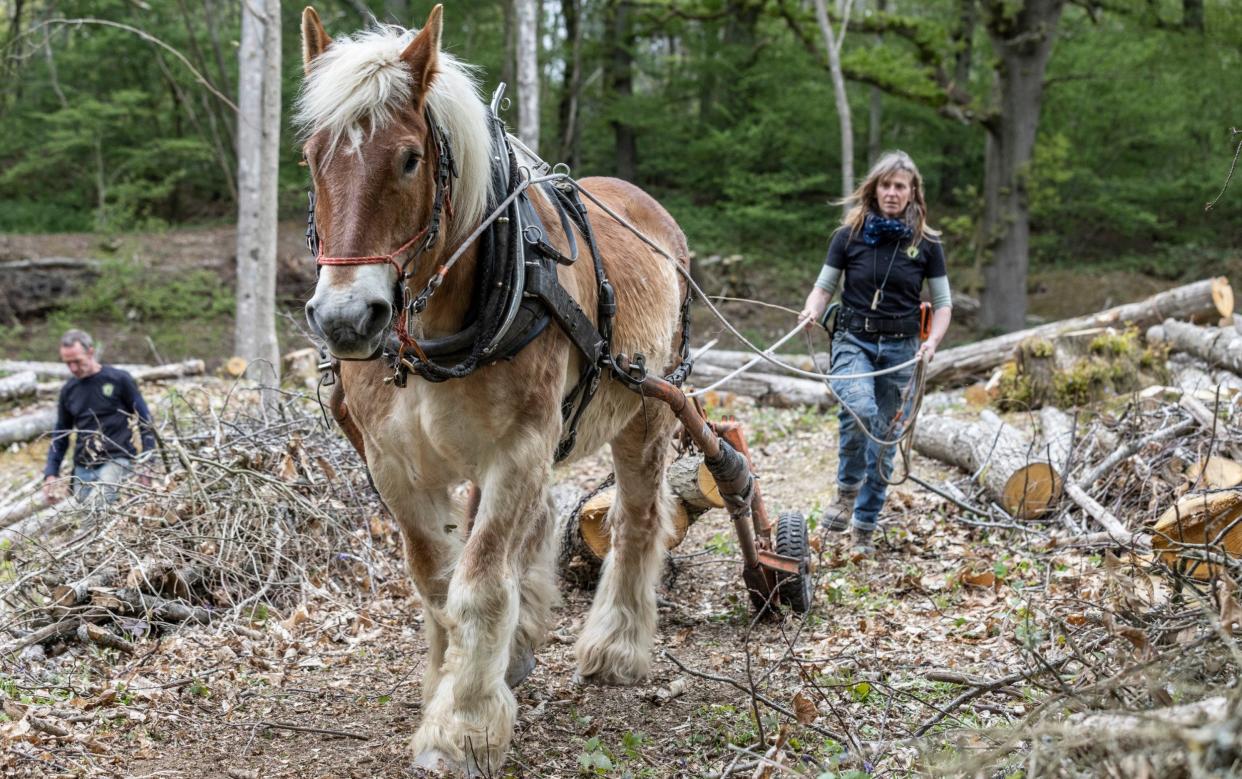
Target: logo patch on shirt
(912, 252)
(108, 389)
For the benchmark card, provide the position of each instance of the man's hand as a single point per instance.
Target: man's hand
(927, 351)
(53, 489)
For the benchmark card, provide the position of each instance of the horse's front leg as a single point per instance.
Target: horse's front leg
(468, 723)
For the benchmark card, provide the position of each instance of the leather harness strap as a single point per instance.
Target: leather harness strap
(517, 291)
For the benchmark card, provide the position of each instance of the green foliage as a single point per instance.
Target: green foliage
(126, 290)
(732, 109)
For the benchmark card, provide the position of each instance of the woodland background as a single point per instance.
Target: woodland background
(724, 109)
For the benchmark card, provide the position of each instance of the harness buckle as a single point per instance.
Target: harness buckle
(327, 368)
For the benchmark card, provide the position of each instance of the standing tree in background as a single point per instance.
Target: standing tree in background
(1022, 35)
(527, 72)
(258, 159)
(833, 42)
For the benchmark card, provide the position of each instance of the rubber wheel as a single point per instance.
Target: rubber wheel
(792, 541)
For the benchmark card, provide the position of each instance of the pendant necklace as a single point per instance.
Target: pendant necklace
(879, 289)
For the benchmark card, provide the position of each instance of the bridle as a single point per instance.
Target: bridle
(423, 240)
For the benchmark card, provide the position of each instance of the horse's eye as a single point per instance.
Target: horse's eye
(411, 162)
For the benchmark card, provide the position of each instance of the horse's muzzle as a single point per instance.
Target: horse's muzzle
(351, 326)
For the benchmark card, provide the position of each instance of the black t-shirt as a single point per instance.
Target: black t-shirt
(865, 268)
(99, 408)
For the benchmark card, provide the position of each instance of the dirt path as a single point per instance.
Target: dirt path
(227, 701)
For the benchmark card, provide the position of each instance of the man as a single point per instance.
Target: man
(98, 402)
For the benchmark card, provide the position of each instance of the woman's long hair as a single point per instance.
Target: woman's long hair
(863, 200)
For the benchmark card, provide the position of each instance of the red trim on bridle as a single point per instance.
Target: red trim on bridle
(375, 259)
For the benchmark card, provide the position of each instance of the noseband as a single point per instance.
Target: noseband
(446, 171)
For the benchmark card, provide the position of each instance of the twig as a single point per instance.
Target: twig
(757, 695)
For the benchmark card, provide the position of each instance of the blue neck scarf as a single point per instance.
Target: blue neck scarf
(879, 229)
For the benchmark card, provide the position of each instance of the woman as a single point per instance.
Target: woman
(885, 250)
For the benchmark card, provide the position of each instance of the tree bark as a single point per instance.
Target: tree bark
(767, 389)
(19, 385)
(832, 43)
(1217, 345)
(55, 370)
(1022, 36)
(567, 111)
(527, 73)
(619, 76)
(27, 427)
(1010, 469)
(258, 158)
(1192, 15)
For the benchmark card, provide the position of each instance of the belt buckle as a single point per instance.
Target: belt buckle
(868, 327)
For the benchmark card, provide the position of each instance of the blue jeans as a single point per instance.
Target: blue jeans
(99, 483)
(864, 465)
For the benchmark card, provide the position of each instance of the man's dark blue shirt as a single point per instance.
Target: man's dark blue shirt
(99, 408)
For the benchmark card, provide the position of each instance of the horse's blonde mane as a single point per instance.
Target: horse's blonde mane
(363, 77)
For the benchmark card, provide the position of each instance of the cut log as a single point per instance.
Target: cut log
(767, 389)
(1219, 346)
(55, 370)
(73, 593)
(19, 510)
(1193, 301)
(27, 427)
(593, 523)
(1012, 471)
(1199, 525)
(692, 482)
(1218, 473)
(19, 385)
(1194, 376)
(1058, 437)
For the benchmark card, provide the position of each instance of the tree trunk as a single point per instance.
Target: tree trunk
(27, 427)
(1192, 15)
(875, 114)
(258, 156)
(19, 385)
(619, 77)
(1217, 345)
(766, 388)
(963, 41)
(1186, 302)
(56, 370)
(1022, 37)
(567, 111)
(832, 43)
(1195, 377)
(527, 73)
(1011, 470)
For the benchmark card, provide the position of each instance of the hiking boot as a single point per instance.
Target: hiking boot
(837, 515)
(863, 544)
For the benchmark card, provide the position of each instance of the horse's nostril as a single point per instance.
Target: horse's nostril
(377, 315)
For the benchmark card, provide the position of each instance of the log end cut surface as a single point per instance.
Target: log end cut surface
(1195, 521)
(1031, 491)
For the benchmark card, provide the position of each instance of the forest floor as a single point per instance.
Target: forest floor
(929, 659)
(912, 663)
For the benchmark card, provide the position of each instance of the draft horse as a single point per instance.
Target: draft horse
(406, 163)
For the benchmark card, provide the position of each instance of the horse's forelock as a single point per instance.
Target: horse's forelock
(363, 77)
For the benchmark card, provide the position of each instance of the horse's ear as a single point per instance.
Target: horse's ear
(423, 53)
(314, 39)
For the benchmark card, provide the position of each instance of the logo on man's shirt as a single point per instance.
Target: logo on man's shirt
(108, 389)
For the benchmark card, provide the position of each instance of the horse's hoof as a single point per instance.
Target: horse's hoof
(520, 667)
(434, 763)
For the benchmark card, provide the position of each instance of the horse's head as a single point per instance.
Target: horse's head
(367, 109)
